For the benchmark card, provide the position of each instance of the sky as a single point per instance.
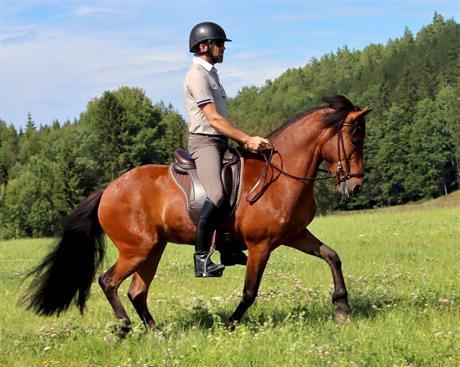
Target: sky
(55, 56)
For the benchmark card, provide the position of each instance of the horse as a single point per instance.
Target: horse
(143, 210)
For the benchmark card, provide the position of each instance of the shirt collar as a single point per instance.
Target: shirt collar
(203, 63)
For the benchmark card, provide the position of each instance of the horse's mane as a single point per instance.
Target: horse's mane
(341, 108)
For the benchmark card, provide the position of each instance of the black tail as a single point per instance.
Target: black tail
(68, 270)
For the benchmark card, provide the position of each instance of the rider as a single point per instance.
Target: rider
(209, 131)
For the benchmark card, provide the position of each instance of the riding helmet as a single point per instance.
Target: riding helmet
(206, 31)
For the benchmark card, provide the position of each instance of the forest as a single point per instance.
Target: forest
(412, 145)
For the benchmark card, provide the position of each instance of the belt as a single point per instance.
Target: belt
(210, 135)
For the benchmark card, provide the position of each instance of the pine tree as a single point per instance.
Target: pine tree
(29, 144)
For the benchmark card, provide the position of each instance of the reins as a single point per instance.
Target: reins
(342, 174)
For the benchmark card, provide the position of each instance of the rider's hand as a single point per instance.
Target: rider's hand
(256, 144)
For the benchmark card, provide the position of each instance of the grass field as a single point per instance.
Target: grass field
(401, 269)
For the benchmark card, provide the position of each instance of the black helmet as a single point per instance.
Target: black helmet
(206, 31)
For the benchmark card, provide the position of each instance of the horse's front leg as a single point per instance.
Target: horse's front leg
(306, 242)
(257, 259)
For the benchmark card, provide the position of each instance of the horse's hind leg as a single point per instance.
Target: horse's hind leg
(110, 282)
(140, 284)
(309, 244)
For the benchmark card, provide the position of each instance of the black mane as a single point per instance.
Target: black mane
(342, 107)
(340, 104)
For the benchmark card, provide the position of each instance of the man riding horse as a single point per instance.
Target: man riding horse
(144, 210)
(210, 129)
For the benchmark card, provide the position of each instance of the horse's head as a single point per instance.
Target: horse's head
(343, 151)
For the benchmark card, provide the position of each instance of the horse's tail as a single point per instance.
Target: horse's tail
(68, 270)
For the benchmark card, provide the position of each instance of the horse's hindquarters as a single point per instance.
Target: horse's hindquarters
(144, 205)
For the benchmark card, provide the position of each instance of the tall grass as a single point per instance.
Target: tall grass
(401, 269)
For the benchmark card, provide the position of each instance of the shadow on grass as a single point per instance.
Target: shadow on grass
(363, 307)
(315, 311)
(191, 320)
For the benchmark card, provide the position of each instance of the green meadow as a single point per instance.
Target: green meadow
(400, 266)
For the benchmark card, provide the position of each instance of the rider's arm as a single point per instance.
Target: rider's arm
(225, 127)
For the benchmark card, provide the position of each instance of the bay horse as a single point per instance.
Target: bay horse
(142, 210)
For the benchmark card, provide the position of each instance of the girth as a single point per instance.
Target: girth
(184, 174)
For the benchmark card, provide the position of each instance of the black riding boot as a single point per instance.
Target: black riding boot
(231, 251)
(204, 267)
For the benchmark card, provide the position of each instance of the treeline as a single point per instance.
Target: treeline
(412, 84)
(412, 145)
(45, 172)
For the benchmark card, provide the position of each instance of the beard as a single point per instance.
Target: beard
(215, 58)
(219, 58)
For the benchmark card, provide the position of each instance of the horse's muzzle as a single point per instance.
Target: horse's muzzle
(349, 188)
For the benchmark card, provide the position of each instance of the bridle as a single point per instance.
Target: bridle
(342, 174)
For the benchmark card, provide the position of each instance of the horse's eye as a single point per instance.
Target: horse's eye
(357, 139)
(358, 132)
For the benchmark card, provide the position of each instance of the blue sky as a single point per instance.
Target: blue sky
(55, 56)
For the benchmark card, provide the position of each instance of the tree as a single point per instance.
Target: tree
(29, 204)
(391, 156)
(431, 149)
(175, 133)
(128, 130)
(28, 141)
(8, 150)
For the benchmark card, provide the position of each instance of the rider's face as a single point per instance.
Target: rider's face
(214, 51)
(217, 49)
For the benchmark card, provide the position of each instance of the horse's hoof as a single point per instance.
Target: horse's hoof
(124, 328)
(231, 325)
(153, 327)
(118, 331)
(343, 317)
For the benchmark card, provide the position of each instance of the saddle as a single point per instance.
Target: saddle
(183, 172)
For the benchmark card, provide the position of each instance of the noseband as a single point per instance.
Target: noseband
(342, 174)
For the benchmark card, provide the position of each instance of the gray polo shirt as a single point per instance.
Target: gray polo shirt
(202, 86)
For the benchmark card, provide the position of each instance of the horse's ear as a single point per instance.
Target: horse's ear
(357, 115)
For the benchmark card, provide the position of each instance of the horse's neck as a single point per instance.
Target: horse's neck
(299, 148)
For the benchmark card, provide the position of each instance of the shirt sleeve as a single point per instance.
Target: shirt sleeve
(200, 89)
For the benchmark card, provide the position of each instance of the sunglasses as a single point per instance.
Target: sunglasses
(219, 43)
